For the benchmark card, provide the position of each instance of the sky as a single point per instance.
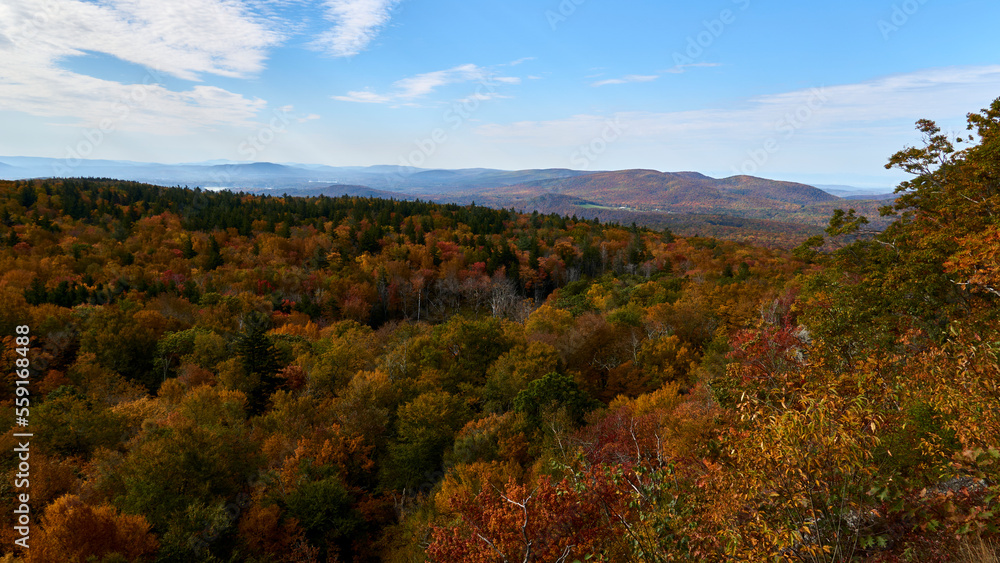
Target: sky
(816, 92)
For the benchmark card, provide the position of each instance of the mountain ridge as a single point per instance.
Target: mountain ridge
(652, 190)
(644, 196)
(219, 172)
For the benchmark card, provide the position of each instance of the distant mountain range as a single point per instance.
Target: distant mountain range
(852, 192)
(649, 190)
(403, 179)
(684, 201)
(268, 175)
(680, 200)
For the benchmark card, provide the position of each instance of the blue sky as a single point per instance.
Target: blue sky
(819, 92)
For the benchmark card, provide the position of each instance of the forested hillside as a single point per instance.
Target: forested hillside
(763, 211)
(232, 377)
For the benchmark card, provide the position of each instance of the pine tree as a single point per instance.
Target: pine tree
(259, 357)
(214, 254)
(187, 248)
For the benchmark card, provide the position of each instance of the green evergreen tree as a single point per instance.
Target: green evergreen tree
(259, 358)
(187, 248)
(214, 254)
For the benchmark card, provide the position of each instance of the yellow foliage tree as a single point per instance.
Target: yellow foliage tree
(666, 359)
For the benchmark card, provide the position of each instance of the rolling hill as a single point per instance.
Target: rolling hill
(689, 202)
(739, 207)
(649, 190)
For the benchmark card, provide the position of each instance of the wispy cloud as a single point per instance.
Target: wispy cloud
(631, 78)
(881, 111)
(682, 68)
(627, 79)
(519, 61)
(482, 97)
(420, 85)
(945, 92)
(356, 24)
(364, 97)
(197, 37)
(200, 37)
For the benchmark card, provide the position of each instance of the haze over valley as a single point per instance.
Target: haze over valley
(739, 207)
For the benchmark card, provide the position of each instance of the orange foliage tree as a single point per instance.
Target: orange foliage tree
(74, 532)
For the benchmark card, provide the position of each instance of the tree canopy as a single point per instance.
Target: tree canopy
(234, 377)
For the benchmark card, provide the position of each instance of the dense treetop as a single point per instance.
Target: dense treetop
(234, 377)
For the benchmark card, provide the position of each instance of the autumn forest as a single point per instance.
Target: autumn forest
(220, 376)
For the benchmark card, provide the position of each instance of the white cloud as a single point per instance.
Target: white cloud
(93, 102)
(356, 24)
(682, 68)
(482, 97)
(815, 128)
(289, 110)
(944, 92)
(519, 61)
(420, 85)
(627, 79)
(364, 97)
(423, 84)
(631, 78)
(185, 40)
